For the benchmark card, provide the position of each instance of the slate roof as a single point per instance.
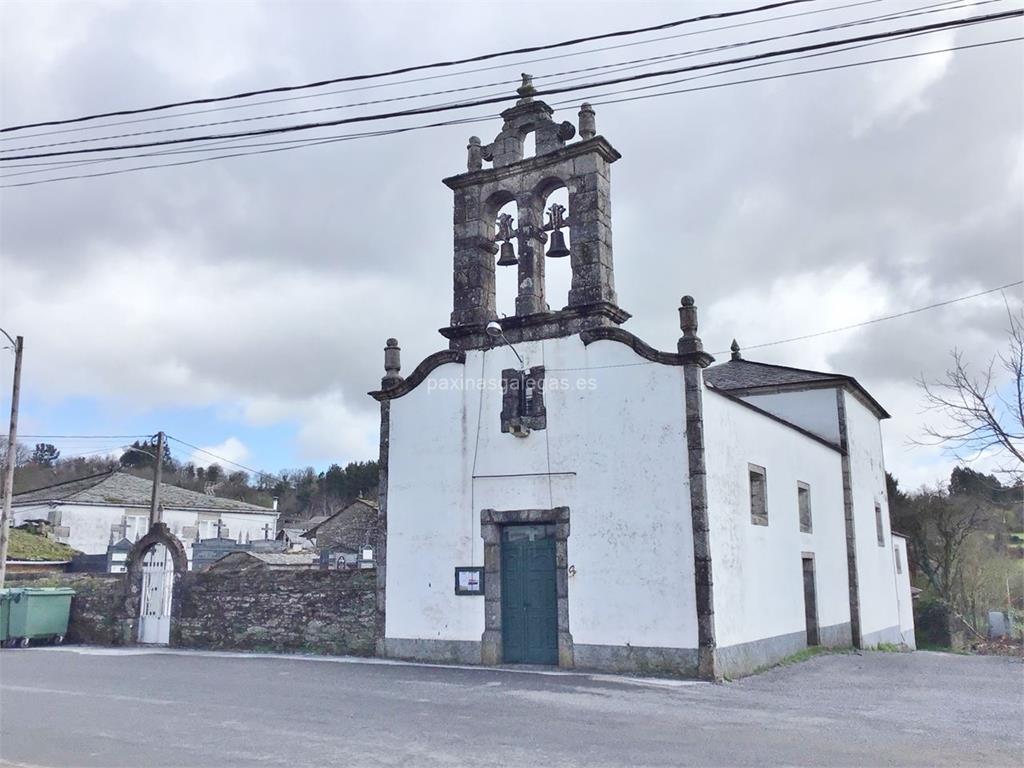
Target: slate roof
(271, 559)
(318, 521)
(749, 376)
(120, 488)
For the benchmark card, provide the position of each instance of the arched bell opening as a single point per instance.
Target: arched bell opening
(554, 197)
(529, 144)
(501, 209)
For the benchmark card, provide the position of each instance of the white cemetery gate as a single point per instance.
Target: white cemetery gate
(157, 592)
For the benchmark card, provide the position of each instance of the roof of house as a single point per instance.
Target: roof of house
(25, 546)
(273, 559)
(295, 536)
(318, 521)
(122, 489)
(748, 376)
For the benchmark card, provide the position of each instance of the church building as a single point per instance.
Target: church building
(556, 491)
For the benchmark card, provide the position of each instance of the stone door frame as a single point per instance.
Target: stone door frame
(491, 522)
(159, 533)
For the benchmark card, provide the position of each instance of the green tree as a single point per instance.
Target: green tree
(45, 455)
(142, 454)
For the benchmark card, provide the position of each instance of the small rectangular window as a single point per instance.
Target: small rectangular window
(803, 500)
(758, 495)
(878, 524)
(899, 559)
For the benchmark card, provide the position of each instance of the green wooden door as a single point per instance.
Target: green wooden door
(529, 611)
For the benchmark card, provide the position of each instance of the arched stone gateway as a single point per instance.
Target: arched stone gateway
(154, 566)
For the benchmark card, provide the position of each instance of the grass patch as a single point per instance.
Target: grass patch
(800, 656)
(25, 545)
(887, 648)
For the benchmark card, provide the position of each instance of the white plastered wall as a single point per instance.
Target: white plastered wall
(879, 614)
(813, 409)
(615, 428)
(904, 598)
(758, 576)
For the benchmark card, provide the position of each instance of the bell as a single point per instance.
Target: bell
(557, 249)
(508, 255)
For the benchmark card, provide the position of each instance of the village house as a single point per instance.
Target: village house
(556, 491)
(94, 513)
(347, 538)
(241, 561)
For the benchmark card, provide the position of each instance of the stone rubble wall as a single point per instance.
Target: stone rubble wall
(96, 609)
(328, 612)
(307, 611)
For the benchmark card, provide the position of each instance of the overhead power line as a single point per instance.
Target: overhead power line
(880, 319)
(311, 142)
(416, 68)
(221, 458)
(86, 437)
(950, 24)
(616, 66)
(47, 166)
(812, 335)
(462, 73)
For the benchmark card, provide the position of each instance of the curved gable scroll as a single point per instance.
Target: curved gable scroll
(423, 370)
(642, 348)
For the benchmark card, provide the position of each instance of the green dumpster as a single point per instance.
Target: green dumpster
(5, 596)
(38, 613)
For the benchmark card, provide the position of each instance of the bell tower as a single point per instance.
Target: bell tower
(485, 241)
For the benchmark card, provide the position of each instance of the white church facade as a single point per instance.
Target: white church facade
(556, 491)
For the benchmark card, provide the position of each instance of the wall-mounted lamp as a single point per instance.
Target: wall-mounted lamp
(495, 331)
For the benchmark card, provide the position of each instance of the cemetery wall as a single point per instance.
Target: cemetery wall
(308, 611)
(302, 611)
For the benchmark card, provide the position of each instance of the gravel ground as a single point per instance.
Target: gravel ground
(96, 707)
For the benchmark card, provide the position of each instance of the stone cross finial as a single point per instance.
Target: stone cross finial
(266, 531)
(392, 364)
(220, 527)
(588, 123)
(526, 90)
(736, 350)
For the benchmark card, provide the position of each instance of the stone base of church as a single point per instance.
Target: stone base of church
(433, 650)
(618, 659)
(637, 660)
(746, 658)
(887, 635)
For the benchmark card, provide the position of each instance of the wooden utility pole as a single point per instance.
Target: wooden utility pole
(12, 453)
(154, 504)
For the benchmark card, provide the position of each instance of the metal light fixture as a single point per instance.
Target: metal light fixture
(495, 331)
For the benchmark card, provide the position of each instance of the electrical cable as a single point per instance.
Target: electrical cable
(50, 165)
(221, 458)
(416, 68)
(458, 74)
(299, 144)
(617, 67)
(952, 24)
(814, 335)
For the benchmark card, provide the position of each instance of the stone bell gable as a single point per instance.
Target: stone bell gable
(583, 169)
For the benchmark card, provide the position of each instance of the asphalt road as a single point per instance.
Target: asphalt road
(93, 707)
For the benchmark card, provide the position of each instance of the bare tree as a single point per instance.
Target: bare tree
(985, 413)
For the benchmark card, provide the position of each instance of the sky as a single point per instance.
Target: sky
(242, 305)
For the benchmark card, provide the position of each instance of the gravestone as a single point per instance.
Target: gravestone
(998, 627)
